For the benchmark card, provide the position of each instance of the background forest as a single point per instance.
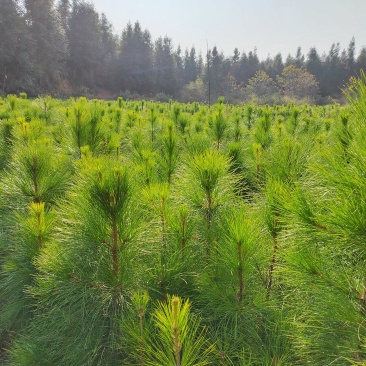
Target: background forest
(66, 48)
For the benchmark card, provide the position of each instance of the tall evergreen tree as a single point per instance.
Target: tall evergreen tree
(179, 68)
(334, 74)
(135, 60)
(235, 65)
(236, 56)
(215, 73)
(109, 51)
(248, 66)
(361, 60)
(164, 66)
(297, 61)
(200, 64)
(15, 49)
(64, 12)
(109, 40)
(85, 43)
(49, 42)
(190, 66)
(350, 61)
(314, 63)
(273, 67)
(299, 58)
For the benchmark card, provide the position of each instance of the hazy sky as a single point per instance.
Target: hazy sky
(271, 26)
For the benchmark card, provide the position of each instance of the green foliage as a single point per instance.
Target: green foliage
(169, 152)
(32, 230)
(298, 85)
(143, 233)
(35, 174)
(209, 189)
(179, 339)
(169, 334)
(262, 89)
(86, 273)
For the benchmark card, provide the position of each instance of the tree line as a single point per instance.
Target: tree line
(67, 48)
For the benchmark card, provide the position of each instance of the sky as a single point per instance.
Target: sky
(270, 26)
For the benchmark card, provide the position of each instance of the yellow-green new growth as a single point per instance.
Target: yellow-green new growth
(181, 341)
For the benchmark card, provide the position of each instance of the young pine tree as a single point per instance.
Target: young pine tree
(88, 273)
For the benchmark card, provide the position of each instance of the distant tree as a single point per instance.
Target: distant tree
(248, 66)
(195, 91)
(314, 63)
(179, 68)
(262, 89)
(289, 60)
(215, 62)
(278, 64)
(350, 60)
(200, 65)
(236, 56)
(299, 58)
(109, 40)
(109, 54)
(164, 67)
(297, 61)
(233, 92)
(334, 72)
(235, 64)
(85, 45)
(273, 67)
(361, 60)
(226, 66)
(16, 65)
(135, 60)
(64, 12)
(298, 85)
(49, 42)
(214, 72)
(190, 66)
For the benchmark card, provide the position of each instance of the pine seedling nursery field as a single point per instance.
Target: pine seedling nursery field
(145, 233)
